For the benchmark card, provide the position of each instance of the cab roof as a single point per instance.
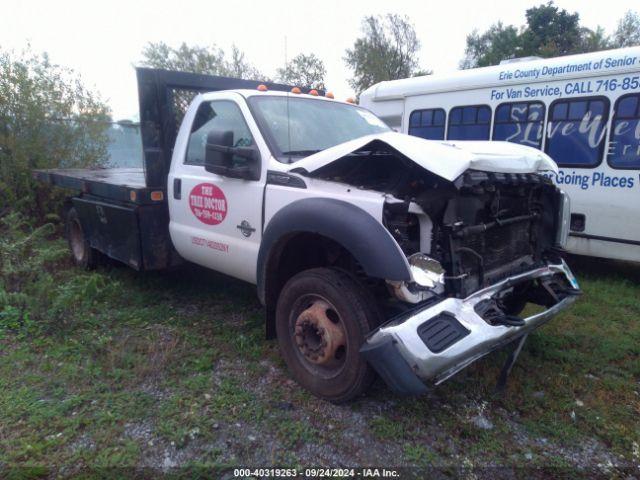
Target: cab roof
(247, 93)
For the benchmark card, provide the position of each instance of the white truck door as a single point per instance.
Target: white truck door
(216, 221)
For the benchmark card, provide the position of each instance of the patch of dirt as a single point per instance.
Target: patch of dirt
(342, 435)
(83, 442)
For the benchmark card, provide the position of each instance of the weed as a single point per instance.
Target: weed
(420, 455)
(294, 433)
(387, 428)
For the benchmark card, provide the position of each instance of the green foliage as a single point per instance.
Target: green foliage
(420, 455)
(304, 71)
(32, 298)
(627, 33)
(197, 59)
(387, 50)
(489, 48)
(47, 120)
(549, 32)
(23, 278)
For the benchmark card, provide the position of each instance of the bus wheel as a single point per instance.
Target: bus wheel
(83, 255)
(322, 318)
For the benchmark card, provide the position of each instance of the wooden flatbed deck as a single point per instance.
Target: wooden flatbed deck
(120, 184)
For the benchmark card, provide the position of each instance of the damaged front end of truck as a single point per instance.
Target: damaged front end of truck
(482, 232)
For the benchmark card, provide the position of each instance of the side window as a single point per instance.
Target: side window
(521, 122)
(624, 150)
(576, 131)
(216, 115)
(469, 123)
(428, 123)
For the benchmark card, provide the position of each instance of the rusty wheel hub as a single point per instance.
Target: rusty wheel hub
(319, 333)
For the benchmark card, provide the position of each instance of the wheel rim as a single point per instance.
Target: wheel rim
(76, 240)
(319, 337)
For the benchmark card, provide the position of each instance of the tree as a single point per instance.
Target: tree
(197, 59)
(628, 32)
(387, 50)
(594, 40)
(549, 32)
(238, 67)
(304, 71)
(496, 44)
(48, 119)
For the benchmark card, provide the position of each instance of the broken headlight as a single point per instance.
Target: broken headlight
(427, 272)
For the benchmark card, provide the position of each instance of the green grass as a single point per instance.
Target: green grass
(114, 367)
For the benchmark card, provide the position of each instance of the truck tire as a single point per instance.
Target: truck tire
(322, 318)
(83, 255)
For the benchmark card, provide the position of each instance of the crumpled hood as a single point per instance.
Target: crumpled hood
(447, 159)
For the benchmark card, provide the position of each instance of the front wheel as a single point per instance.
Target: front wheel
(322, 318)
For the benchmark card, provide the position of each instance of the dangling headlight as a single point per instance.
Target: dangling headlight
(427, 280)
(427, 272)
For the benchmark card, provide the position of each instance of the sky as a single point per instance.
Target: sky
(103, 41)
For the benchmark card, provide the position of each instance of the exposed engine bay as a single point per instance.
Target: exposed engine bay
(482, 227)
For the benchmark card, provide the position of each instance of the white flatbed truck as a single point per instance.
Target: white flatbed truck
(372, 251)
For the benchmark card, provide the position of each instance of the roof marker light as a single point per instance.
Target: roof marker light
(313, 92)
(350, 100)
(329, 95)
(295, 90)
(262, 87)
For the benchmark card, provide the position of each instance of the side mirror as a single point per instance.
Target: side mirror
(222, 158)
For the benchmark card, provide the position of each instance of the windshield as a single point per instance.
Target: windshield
(298, 127)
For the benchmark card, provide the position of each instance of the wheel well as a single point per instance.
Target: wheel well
(297, 252)
(66, 206)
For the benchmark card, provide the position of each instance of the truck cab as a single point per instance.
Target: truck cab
(373, 252)
(217, 199)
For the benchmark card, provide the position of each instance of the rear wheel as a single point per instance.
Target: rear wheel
(322, 318)
(83, 255)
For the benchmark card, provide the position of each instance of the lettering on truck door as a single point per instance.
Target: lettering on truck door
(216, 221)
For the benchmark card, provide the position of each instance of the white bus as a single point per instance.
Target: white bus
(582, 110)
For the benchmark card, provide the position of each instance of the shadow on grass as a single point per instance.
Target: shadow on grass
(603, 268)
(187, 282)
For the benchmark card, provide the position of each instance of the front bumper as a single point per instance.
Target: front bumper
(432, 343)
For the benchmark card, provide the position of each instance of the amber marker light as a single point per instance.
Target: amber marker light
(313, 92)
(262, 87)
(157, 196)
(350, 100)
(329, 95)
(295, 90)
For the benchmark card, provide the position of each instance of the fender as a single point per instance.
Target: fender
(356, 230)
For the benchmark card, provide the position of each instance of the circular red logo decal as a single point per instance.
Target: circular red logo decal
(208, 203)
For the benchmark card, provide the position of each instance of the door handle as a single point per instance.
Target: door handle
(177, 188)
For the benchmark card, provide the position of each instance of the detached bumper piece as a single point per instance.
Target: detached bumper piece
(427, 345)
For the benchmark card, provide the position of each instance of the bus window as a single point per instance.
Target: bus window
(520, 122)
(427, 123)
(576, 131)
(624, 150)
(469, 123)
